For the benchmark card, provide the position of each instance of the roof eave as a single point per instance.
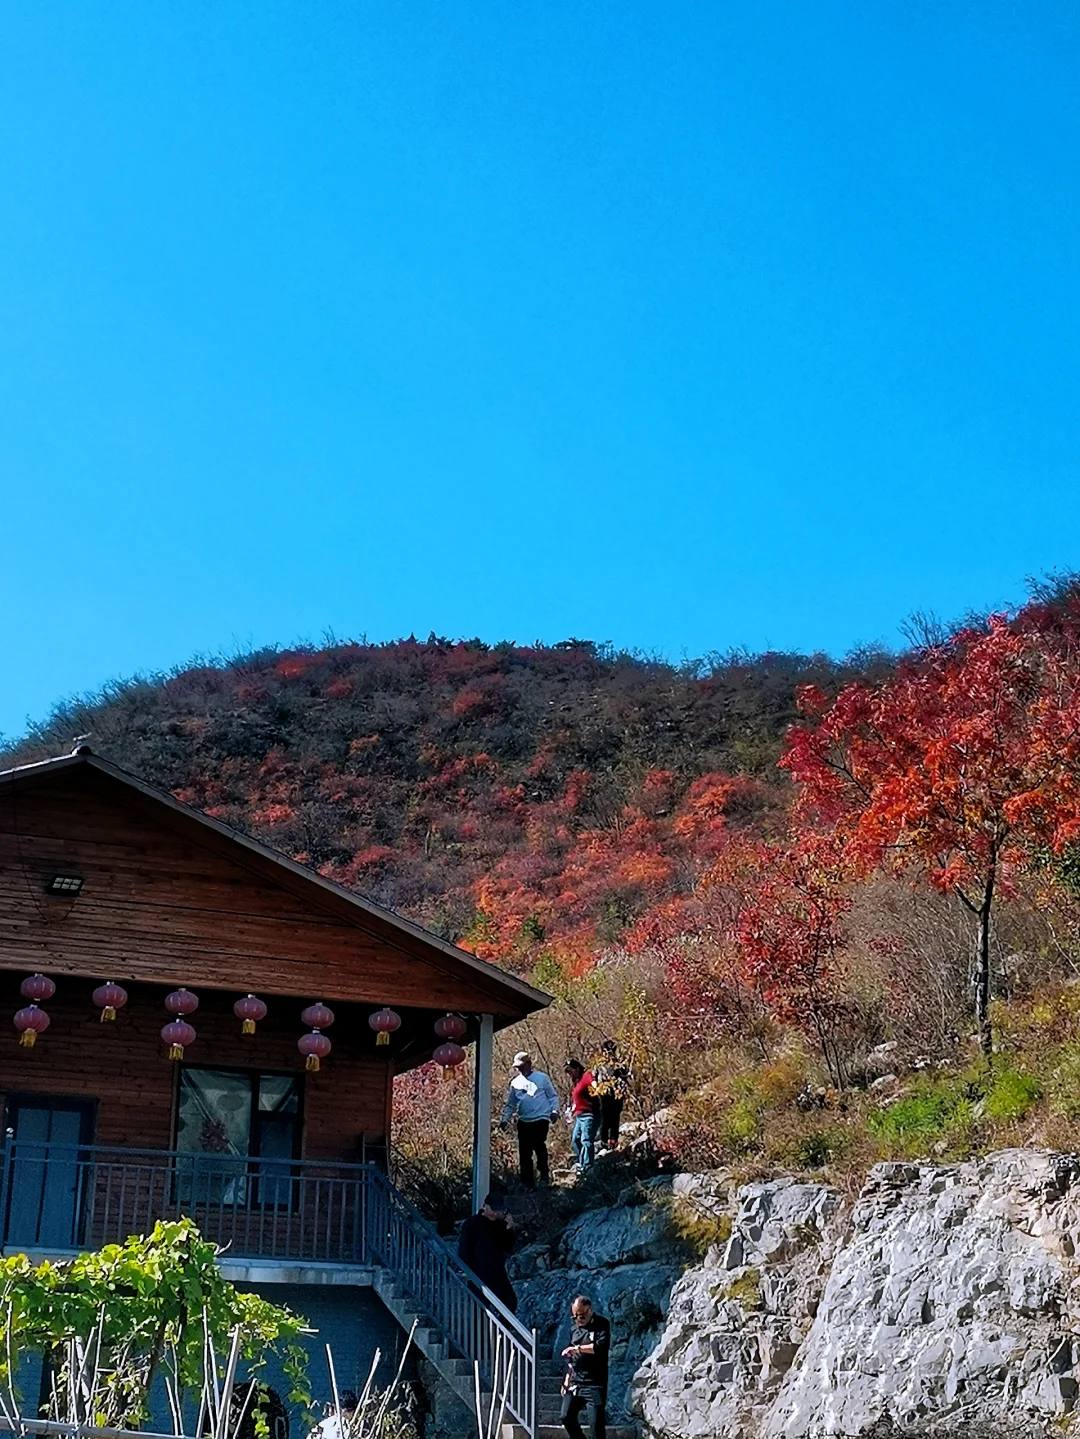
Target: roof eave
(355, 906)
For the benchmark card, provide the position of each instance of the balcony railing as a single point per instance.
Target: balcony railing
(63, 1198)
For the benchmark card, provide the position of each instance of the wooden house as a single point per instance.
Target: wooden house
(105, 880)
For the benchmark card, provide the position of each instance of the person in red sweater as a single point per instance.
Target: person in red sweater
(583, 1107)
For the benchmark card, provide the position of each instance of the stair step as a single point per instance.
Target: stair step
(556, 1431)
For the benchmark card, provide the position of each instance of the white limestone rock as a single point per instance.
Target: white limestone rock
(954, 1308)
(735, 1323)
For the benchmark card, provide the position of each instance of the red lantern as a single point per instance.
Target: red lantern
(177, 1034)
(384, 1021)
(317, 1016)
(37, 987)
(449, 1055)
(109, 997)
(181, 1001)
(451, 1026)
(313, 1047)
(30, 1022)
(250, 1010)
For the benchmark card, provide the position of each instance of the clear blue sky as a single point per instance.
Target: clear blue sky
(681, 326)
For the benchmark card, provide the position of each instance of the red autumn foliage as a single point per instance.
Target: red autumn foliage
(543, 804)
(958, 767)
(790, 933)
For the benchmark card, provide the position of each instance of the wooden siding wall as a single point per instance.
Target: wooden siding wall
(123, 1065)
(159, 905)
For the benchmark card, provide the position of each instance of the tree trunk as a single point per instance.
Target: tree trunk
(982, 965)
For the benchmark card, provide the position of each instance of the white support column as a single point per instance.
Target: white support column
(481, 1170)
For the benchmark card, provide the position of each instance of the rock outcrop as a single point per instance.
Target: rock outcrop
(945, 1301)
(626, 1259)
(736, 1322)
(953, 1307)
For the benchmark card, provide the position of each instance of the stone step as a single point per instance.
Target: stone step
(556, 1431)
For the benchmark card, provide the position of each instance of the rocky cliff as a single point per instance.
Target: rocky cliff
(945, 1300)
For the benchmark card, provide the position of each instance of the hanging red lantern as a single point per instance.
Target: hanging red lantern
(181, 1001)
(30, 1022)
(250, 1009)
(449, 1055)
(318, 1016)
(384, 1021)
(109, 997)
(177, 1034)
(314, 1047)
(37, 987)
(451, 1026)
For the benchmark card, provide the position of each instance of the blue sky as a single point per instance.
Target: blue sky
(681, 326)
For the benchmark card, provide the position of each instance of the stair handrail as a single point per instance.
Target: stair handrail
(473, 1318)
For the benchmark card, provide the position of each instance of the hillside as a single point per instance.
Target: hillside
(531, 803)
(762, 875)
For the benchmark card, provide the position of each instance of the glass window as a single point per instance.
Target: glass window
(215, 1112)
(229, 1118)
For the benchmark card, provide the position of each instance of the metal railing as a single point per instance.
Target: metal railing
(63, 1198)
(475, 1320)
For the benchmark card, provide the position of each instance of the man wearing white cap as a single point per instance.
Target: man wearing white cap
(532, 1098)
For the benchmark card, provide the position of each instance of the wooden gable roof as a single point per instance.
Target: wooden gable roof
(171, 895)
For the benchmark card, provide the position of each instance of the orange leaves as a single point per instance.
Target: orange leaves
(362, 744)
(272, 814)
(575, 888)
(957, 767)
(295, 666)
(469, 701)
(790, 932)
(372, 855)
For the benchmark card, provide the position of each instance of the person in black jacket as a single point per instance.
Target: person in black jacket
(585, 1385)
(487, 1237)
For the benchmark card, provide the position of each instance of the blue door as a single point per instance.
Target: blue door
(44, 1180)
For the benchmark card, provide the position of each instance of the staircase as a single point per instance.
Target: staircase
(459, 1323)
(432, 1343)
(548, 1408)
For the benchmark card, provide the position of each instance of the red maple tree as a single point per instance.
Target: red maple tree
(790, 933)
(959, 766)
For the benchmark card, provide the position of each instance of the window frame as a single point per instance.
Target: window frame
(253, 1173)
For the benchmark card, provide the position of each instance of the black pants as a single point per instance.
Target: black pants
(610, 1116)
(593, 1401)
(532, 1140)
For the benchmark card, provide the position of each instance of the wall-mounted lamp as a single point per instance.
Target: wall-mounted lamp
(64, 884)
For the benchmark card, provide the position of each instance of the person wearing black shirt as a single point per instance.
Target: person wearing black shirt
(487, 1237)
(585, 1385)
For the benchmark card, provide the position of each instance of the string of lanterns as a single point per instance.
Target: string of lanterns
(32, 1020)
(449, 1054)
(315, 1046)
(177, 1034)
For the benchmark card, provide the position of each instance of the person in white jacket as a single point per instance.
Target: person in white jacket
(532, 1098)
